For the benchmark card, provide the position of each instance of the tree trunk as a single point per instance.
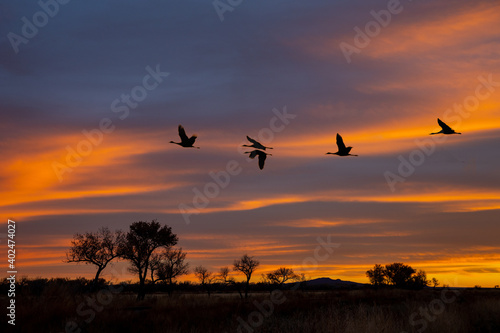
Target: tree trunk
(170, 287)
(153, 276)
(239, 289)
(96, 278)
(246, 287)
(142, 293)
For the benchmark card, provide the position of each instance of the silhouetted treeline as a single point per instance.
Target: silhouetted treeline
(398, 275)
(148, 247)
(58, 287)
(42, 286)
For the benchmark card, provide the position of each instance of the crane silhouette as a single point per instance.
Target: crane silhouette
(262, 156)
(445, 129)
(256, 144)
(343, 150)
(185, 141)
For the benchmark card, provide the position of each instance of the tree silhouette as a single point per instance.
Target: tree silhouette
(97, 248)
(419, 280)
(247, 266)
(225, 280)
(435, 282)
(302, 280)
(205, 277)
(154, 266)
(398, 275)
(377, 275)
(281, 275)
(168, 265)
(139, 244)
(223, 276)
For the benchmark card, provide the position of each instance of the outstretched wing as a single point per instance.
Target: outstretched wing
(340, 143)
(252, 140)
(192, 139)
(262, 159)
(182, 133)
(253, 153)
(444, 126)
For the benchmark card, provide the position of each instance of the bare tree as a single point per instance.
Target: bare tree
(96, 248)
(281, 275)
(435, 282)
(247, 266)
(139, 244)
(302, 280)
(205, 277)
(224, 277)
(168, 265)
(154, 266)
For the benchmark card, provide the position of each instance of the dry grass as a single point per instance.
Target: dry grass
(330, 311)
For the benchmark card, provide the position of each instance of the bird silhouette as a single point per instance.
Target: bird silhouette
(256, 144)
(185, 141)
(262, 156)
(445, 129)
(343, 150)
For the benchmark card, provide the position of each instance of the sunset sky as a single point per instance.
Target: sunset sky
(274, 71)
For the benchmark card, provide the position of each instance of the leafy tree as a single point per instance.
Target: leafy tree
(205, 277)
(96, 248)
(377, 275)
(247, 266)
(281, 275)
(419, 280)
(139, 244)
(399, 274)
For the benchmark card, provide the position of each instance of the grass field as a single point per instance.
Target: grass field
(59, 308)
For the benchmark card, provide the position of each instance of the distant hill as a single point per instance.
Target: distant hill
(328, 283)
